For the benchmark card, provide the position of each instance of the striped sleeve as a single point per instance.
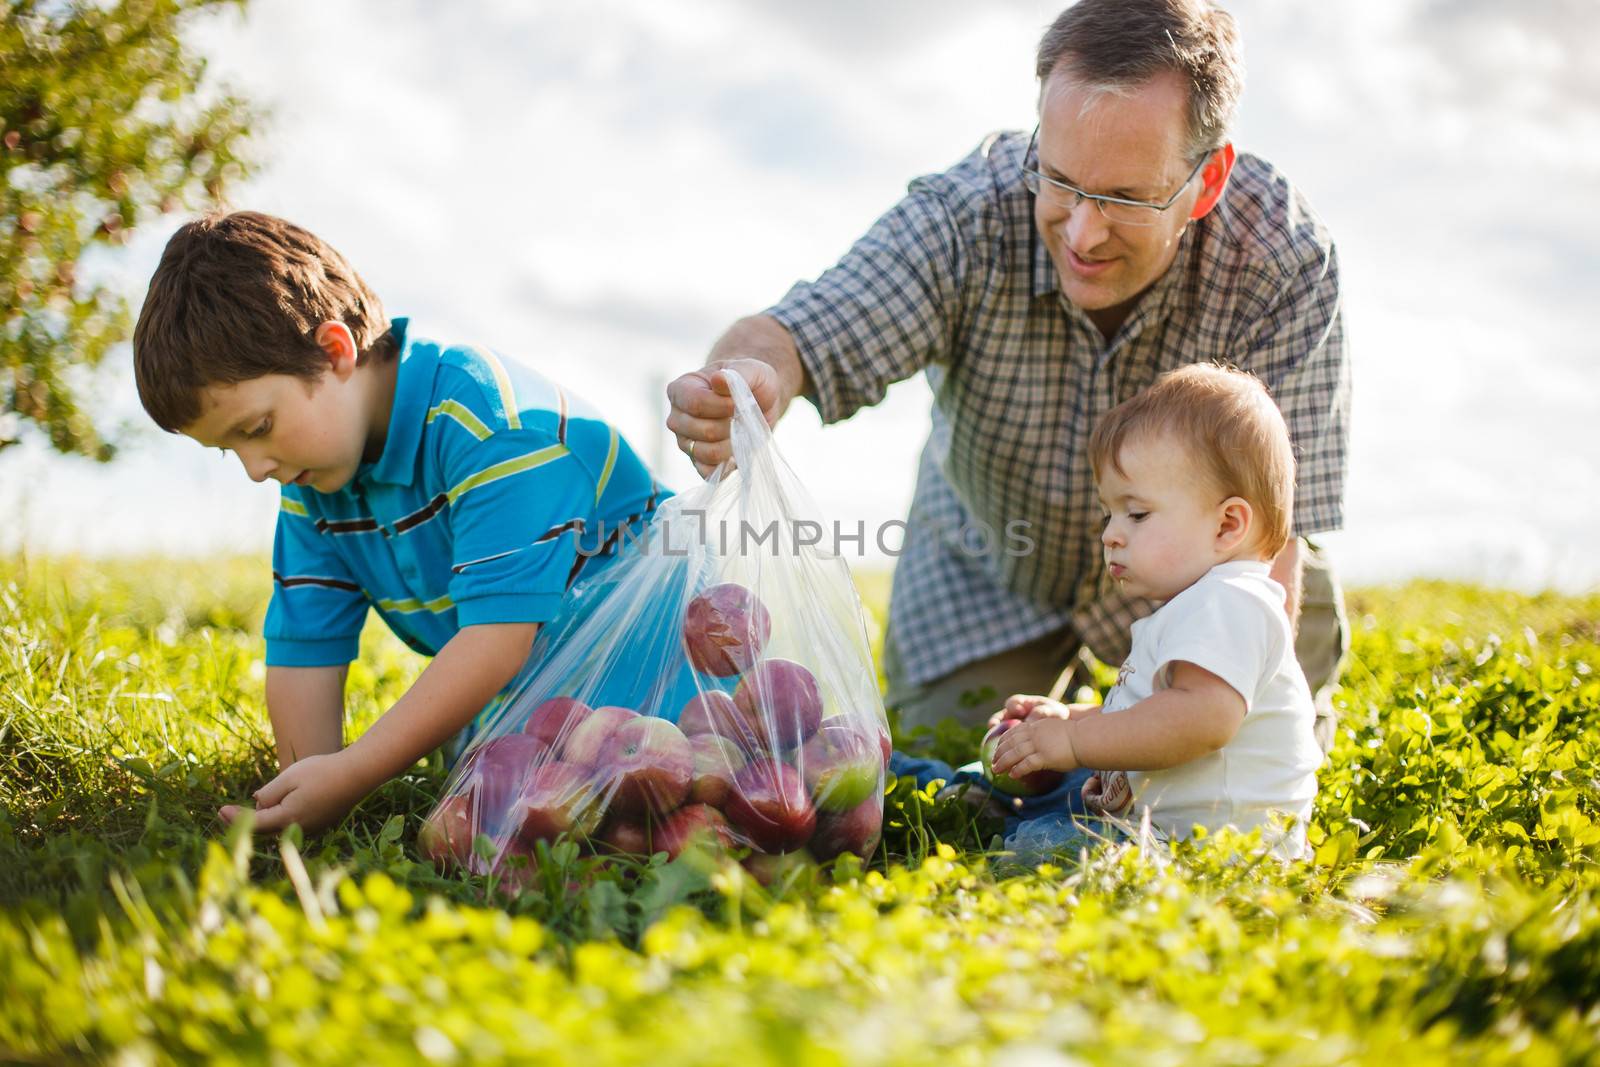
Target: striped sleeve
(317, 609)
(519, 500)
(886, 310)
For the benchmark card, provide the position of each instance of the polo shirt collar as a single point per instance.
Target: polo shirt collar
(413, 389)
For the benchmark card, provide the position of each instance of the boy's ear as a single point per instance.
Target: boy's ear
(339, 344)
(1237, 518)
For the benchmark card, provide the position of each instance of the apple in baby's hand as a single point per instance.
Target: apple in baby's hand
(724, 629)
(690, 823)
(446, 836)
(650, 765)
(501, 765)
(560, 798)
(716, 761)
(1029, 785)
(587, 741)
(771, 806)
(554, 719)
(781, 703)
(855, 831)
(841, 766)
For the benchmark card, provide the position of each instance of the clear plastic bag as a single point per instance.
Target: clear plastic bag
(714, 681)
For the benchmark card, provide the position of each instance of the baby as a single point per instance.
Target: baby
(1211, 716)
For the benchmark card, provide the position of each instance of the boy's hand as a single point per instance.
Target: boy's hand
(1042, 742)
(315, 792)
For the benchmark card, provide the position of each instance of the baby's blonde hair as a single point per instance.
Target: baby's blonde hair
(1233, 432)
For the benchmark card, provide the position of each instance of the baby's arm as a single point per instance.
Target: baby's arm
(1195, 715)
(472, 667)
(306, 706)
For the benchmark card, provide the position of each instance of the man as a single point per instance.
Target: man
(1038, 283)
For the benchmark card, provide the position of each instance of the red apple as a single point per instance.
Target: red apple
(551, 721)
(1029, 785)
(500, 767)
(713, 712)
(560, 798)
(840, 764)
(649, 764)
(771, 806)
(691, 822)
(886, 744)
(446, 836)
(855, 831)
(627, 835)
(725, 629)
(716, 761)
(587, 741)
(781, 703)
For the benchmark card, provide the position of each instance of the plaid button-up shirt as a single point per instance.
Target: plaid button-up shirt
(954, 281)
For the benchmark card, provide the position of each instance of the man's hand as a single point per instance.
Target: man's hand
(1042, 743)
(702, 407)
(315, 792)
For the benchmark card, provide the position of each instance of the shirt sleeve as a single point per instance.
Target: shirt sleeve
(1297, 347)
(889, 308)
(317, 609)
(518, 502)
(1224, 630)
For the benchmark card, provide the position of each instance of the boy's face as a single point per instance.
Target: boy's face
(1165, 527)
(310, 433)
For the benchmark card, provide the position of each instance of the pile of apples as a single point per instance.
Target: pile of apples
(761, 767)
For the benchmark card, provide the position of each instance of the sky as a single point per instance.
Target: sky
(600, 189)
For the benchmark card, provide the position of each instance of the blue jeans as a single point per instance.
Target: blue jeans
(1035, 827)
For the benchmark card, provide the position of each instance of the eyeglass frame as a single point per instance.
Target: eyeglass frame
(1098, 199)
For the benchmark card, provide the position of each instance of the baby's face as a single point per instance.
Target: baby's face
(1162, 520)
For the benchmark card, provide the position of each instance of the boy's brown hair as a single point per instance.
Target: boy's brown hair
(240, 296)
(1233, 432)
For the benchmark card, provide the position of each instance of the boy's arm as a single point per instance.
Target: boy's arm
(306, 706)
(470, 669)
(1194, 716)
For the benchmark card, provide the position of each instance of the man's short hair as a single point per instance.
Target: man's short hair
(1118, 45)
(240, 296)
(1232, 431)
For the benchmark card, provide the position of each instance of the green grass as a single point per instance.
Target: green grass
(1452, 913)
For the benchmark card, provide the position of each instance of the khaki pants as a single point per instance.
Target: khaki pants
(1050, 664)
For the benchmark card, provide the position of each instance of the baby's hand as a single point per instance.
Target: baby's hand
(1021, 706)
(1041, 743)
(1107, 792)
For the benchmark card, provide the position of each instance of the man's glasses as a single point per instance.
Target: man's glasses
(1116, 209)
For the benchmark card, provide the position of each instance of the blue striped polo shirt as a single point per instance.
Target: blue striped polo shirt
(494, 489)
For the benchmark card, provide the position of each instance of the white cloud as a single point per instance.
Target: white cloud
(601, 188)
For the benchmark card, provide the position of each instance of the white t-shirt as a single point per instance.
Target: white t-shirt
(1232, 623)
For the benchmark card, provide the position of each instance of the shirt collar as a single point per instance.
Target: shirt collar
(413, 389)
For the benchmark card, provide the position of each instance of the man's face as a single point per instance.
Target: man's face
(1130, 146)
(309, 433)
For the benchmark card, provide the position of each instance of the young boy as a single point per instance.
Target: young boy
(1211, 717)
(455, 492)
